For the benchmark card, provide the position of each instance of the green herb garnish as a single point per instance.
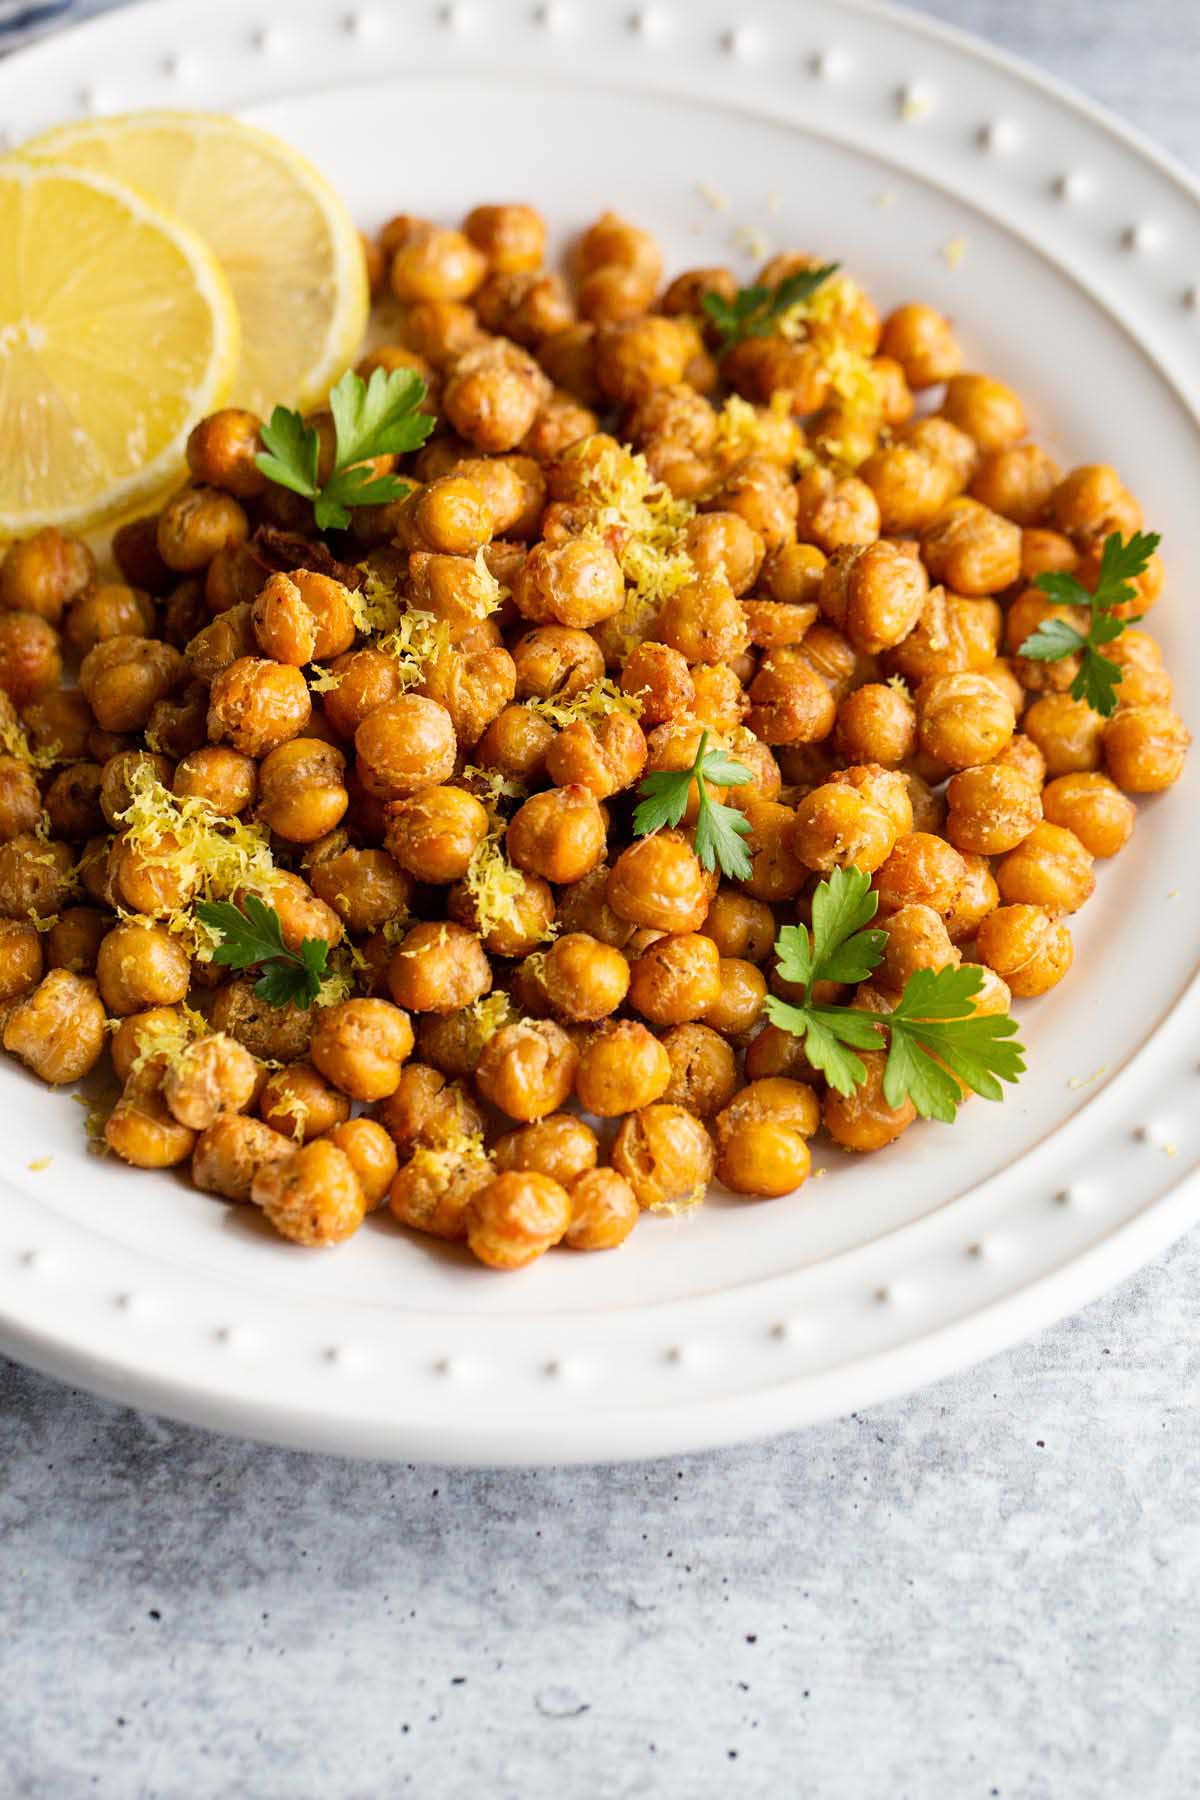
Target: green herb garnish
(252, 936)
(932, 1023)
(755, 311)
(371, 418)
(719, 828)
(1099, 677)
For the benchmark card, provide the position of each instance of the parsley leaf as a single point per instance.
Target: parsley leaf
(372, 418)
(1121, 561)
(755, 311)
(932, 1024)
(252, 936)
(719, 828)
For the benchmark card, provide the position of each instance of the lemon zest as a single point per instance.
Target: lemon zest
(415, 643)
(494, 885)
(96, 1117)
(322, 680)
(168, 1040)
(490, 591)
(489, 1015)
(591, 704)
(376, 606)
(452, 1155)
(15, 743)
(640, 511)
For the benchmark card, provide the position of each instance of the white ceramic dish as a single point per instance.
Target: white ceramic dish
(878, 139)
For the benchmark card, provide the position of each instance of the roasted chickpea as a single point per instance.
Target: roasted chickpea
(835, 510)
(762, 1137)
(365, 888)
(313, 1196)
(1093, 808)
(73, 941)
(863, 1120)
(299, 1103)
(359, 1046)
(42, 574)
(738, 1007)
(921, 870)
(214, 1075)
(221, 453)
(37, 877)
(952, 635)
(977, 897)
(58, 1030)
(512, 237)
(789, 702)
(1027, 947)
(432, 1190)
(257, 705)
(838, 827)
(1049, 868)
(581, 978)
(369, 1150)
(1069, 734)
(578, 584)
(301, 790)
(635, 356)
(704, 1074)
(921, 340)
(20, 798)
(666, 1155)
(776, 871)
(142, 1130)
(439, 968)
(876, 723)
(604, 1210)
(558, 834)
(516, 744)
(910, 486)
(135, 552)
(963, 719)
(992, 808)
(724, 543)
(1144, 748)
(435, 832)
(657, 881)
(196, 523)
(436, 264)
(917, 938)
(985, 409)
(21, 959)
(759, 494)
(60, 723)
(527, 1069)
(516, 1218)
(1016, 482)
(676, 979)
(528, 919)
(427, 1109)
(302, 616)
(405, 745)
(219, 645)
(621, 1067)
(560, 1146)
(224, 779)
(268, 1032)
(141, 964)
(1090, 502)
(740, 925)
(973, 550)
(124, 677)
(229, 1154)
(30, 656)
(704, 621)
(874, 594)
(556, 662)
(494, 393)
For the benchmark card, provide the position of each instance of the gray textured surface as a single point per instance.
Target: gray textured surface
(990, 1590)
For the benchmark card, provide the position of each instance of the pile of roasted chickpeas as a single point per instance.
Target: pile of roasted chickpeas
(855, 524)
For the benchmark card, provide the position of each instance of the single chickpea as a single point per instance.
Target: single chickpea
(439, 968)
(440, 330)
(723, 543)
(221, 453)
(658, 676)
(405, 745)
(584, 907)
(529, 920)
(196, 523)
(887, 789)
(666, 1155)
(527, 1069)
(20, 798)
(604, 1210)
(612, 242)
(985, 409)
(436, 264)
(371, 1154)
(577, 584)
(676, 979)
(135, 552)
(944, 443)
(837, 827)
(179, 725)
(301, 790)
(953, 635)
(973, 550)
(1093, 808)
(257, 705)
(922, 341)
(1090, 502)
(141, 1129)
(435, 832)
(214, 1075)
(917, 938)
(874, 594)
(835, 510)
(124, 677)
(141, 964)
(923, 870)
(910, 486)
(44, 573)
(1144, 681)
(219, 645)
(1029, 948)
(229, 1154)
(269, 1032)
(722, 704)
(233, 578)
(863, 1120)
(516, 744)
(704, 621)
(58, 1030)
(977, 897)
(789, 702)
(740, 925)
(622, 1066)
(583, 979)
(876, 723)
(992, 809)
(30, 656)
(451, 516)
(37, 877)
(704, 1073)
(1069, 734)
(359, 1045)
(560, 1146)
(963, 719)
(776, 1052)
(512, 237)
(516, 1218)
(431, 1192)
(634, 357)
(302, 616)
(72, 804)
(73, 941)
(657, 881)
(313, 1197)
(473, 685)
(366, 888)
(604, 757)
(558, 834)
(494, 393)
(21, 960)
(776, 871)
(1050, 868)
(427, 1109)
(61, 722)
(299, 1103)
(757, 492)
(224, 779)
(737, 1010)
(555, 662)
(1017, 482)
(1145, 748)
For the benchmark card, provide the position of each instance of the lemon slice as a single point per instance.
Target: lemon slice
(284, 238)
(117, 332)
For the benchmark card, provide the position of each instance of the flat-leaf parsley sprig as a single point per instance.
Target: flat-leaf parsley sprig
(755, 311)
(1121, 561)
(370, 418)
(719, 828)
(932, 1034)
(252, 937)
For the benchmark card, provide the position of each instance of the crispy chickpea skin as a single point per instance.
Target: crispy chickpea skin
(876, 723)
(256, 705)
(1027, 947)
(1094, 808)
(195, 524)
(863, 1121)
(762, 1137)
(578, 584)
(405, 745)
(582, 979)
(141, 964)
(676, 979)
(214, 1075)
(658, 882)
(301, 790)
(666, 1155)
(439, 968)
(313, 1196)
(527, 1069)
(621, 1066)
(1049, 868)
(604, 1210)
(371, 1155)
(58, 1030)
(704, 1073)
(142, 1130)
(558, 834)
(299, 1103)
(991, 809)
(516, 1218)
(559, 1145)
(972, 549)
(303, 616)
(231, 1152)
(359, 1045)
(1144, 748)
(21, 960)
(42, 574)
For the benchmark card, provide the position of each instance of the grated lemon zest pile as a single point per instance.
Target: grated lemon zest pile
(838, 295)
(217, 857)
(322, 680)
(395, 928)
(294, 1108)
(15, 743)
(648, 519)
(440, 1162)
(743, 429)
(901, 687)
(340, 979)
(489, 1015)
(168, 1039)
(851, 378)
(416, 642)
(376, 605)
(490, 592)
(494, 885)
(591, 704)
(496, 787)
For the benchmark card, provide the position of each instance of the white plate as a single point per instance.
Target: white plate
(879, 139)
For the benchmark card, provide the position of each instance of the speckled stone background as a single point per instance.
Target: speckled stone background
(988, 1592)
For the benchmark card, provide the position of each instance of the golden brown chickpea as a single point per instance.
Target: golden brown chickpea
(257, 705)
(863, 1120)
(1145, 747)
(793, 574)
(21, 959)
(224, 779)
(473, 685)
(789, 702)
(942, 442)
(704, 621)
(527, 1069)
(516, 743)
(757, 493)
(42, 574)
(221, 452)
(359, 1046)
(302, 616)
(577, 584)
(634, 357)
(141, 1129)
(20, 799)
(910, 486)
(887, 789)
(921, 870)
(494, 393)
(555, 662)
(1050, 868)
(73, 941)
(134, 1040)
(227, 1157)
(299, 1103)
(761, 1137)
(922, 342)
(722, 704)
(432, 1190)
(1069, 734)
(584, 907)
(405, 745)
(1093, 808)
(676, 979)
(560, 1146)
(436, 264)
(233, 578)
(612, 242)
(219, 645)
(451, 516)
(427, 1109)
(58, 1030)
(658, 882)
(874, 594)
(838, 827)
(124, 677)
(971, 549)
(439, 968)
(985, 409)
(60, 722)
(30, 656)
(179, 725)
(371, 1155)
(724, 543)
(512, 237)
(135, 552)
(366, 888)
(876, 723)
(196, 523)
(611, 292)
(1027, 947)
(704, 1074)
(604, 1210)
(37, 877)
(435, 832)
(952, 635)
(835, 510)
(740, 926)
(963, 719)
(977, 897)
(666, 1156)
(301, 790)
(558, 834)
(776, 872)
(561, 420)
(773, 625)
(214, 1075)
(313, 1197)
(917, 938)
(621, 1066)
(737, 1010)
(528, 923)
(1144, 681)
(516, 1218)
(268, 1032)
(141, 964)
(603, 757)
(1090, 502)
(992, 809)
(581, 978)
(1016, 482)
(658, 676)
